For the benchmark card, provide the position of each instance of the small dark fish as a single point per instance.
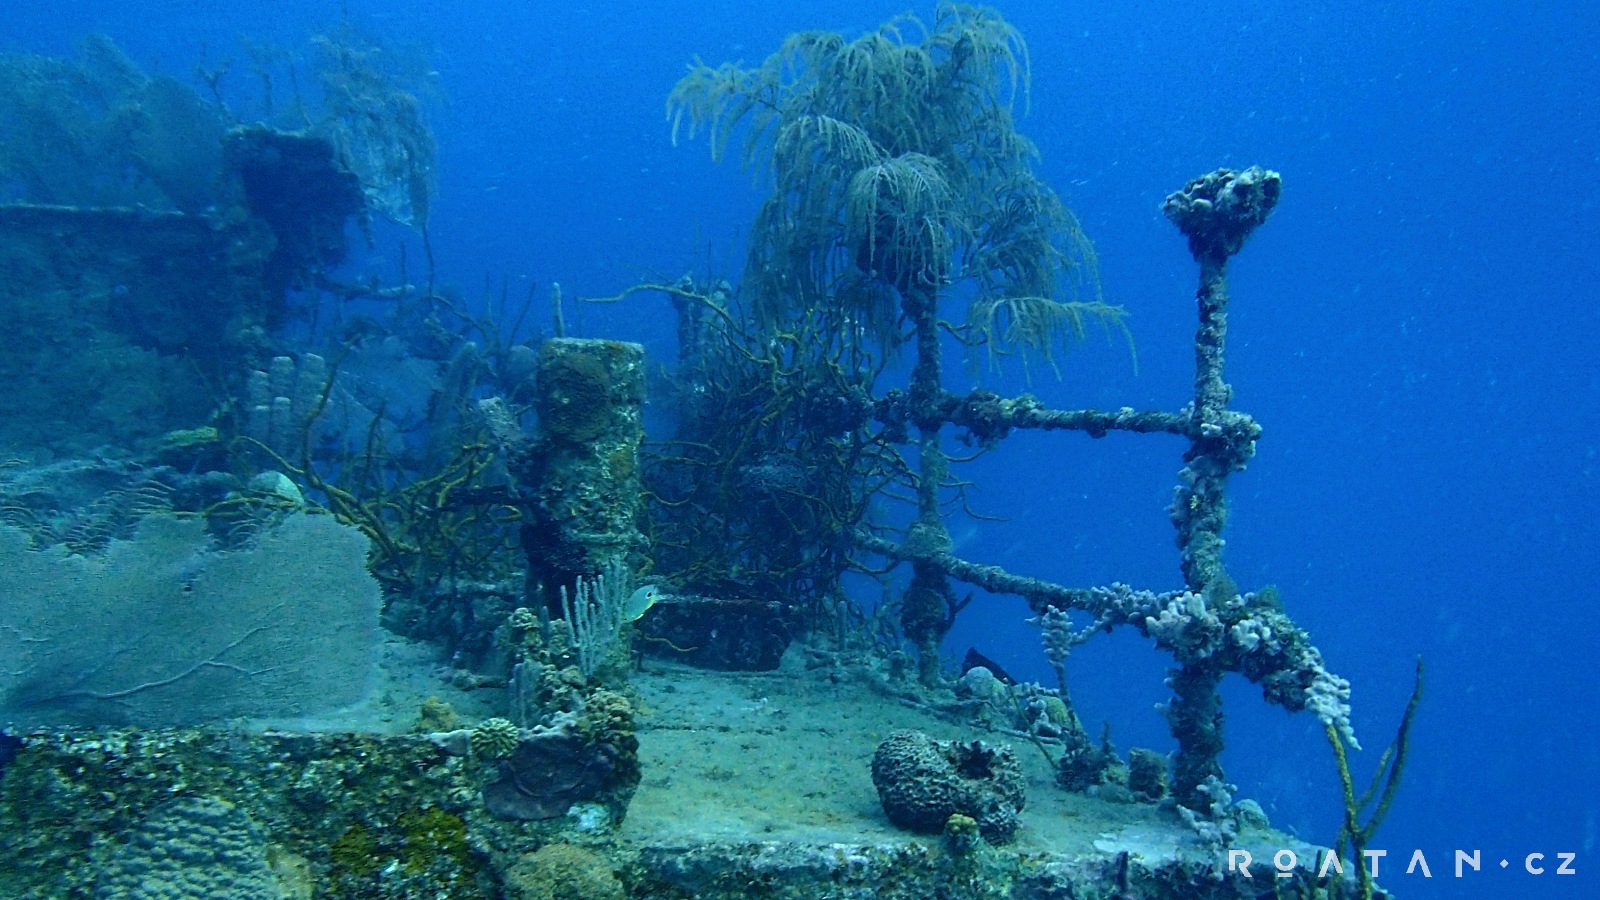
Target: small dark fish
(974, 659)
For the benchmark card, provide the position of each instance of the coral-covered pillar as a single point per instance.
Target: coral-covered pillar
(1216, 212)
(582, 469)
(928, 608)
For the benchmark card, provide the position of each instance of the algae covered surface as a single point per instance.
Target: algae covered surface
(751, 779)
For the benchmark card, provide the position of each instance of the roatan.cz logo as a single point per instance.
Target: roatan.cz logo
(1286, 863)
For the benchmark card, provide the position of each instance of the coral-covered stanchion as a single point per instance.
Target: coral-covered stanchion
(1209, 627)
(927, 610)
(1216, 212)
(584, 465)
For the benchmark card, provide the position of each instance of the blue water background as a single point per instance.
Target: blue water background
(1417, 328)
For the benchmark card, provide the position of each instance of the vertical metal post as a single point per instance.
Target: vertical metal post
(583, 466)
(1216, 212)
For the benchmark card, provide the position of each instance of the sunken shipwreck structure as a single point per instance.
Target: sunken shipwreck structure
(316, 584)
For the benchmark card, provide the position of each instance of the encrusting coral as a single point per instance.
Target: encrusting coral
(563, 872)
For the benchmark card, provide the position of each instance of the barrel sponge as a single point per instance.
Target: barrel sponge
(922, 782)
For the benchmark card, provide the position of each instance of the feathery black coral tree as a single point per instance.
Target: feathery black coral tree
(898, 176)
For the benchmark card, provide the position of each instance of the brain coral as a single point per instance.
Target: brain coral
(495, 738)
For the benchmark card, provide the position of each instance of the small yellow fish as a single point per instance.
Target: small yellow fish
(640, 602)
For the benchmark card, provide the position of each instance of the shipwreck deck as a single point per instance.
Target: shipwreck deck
(755, 785)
